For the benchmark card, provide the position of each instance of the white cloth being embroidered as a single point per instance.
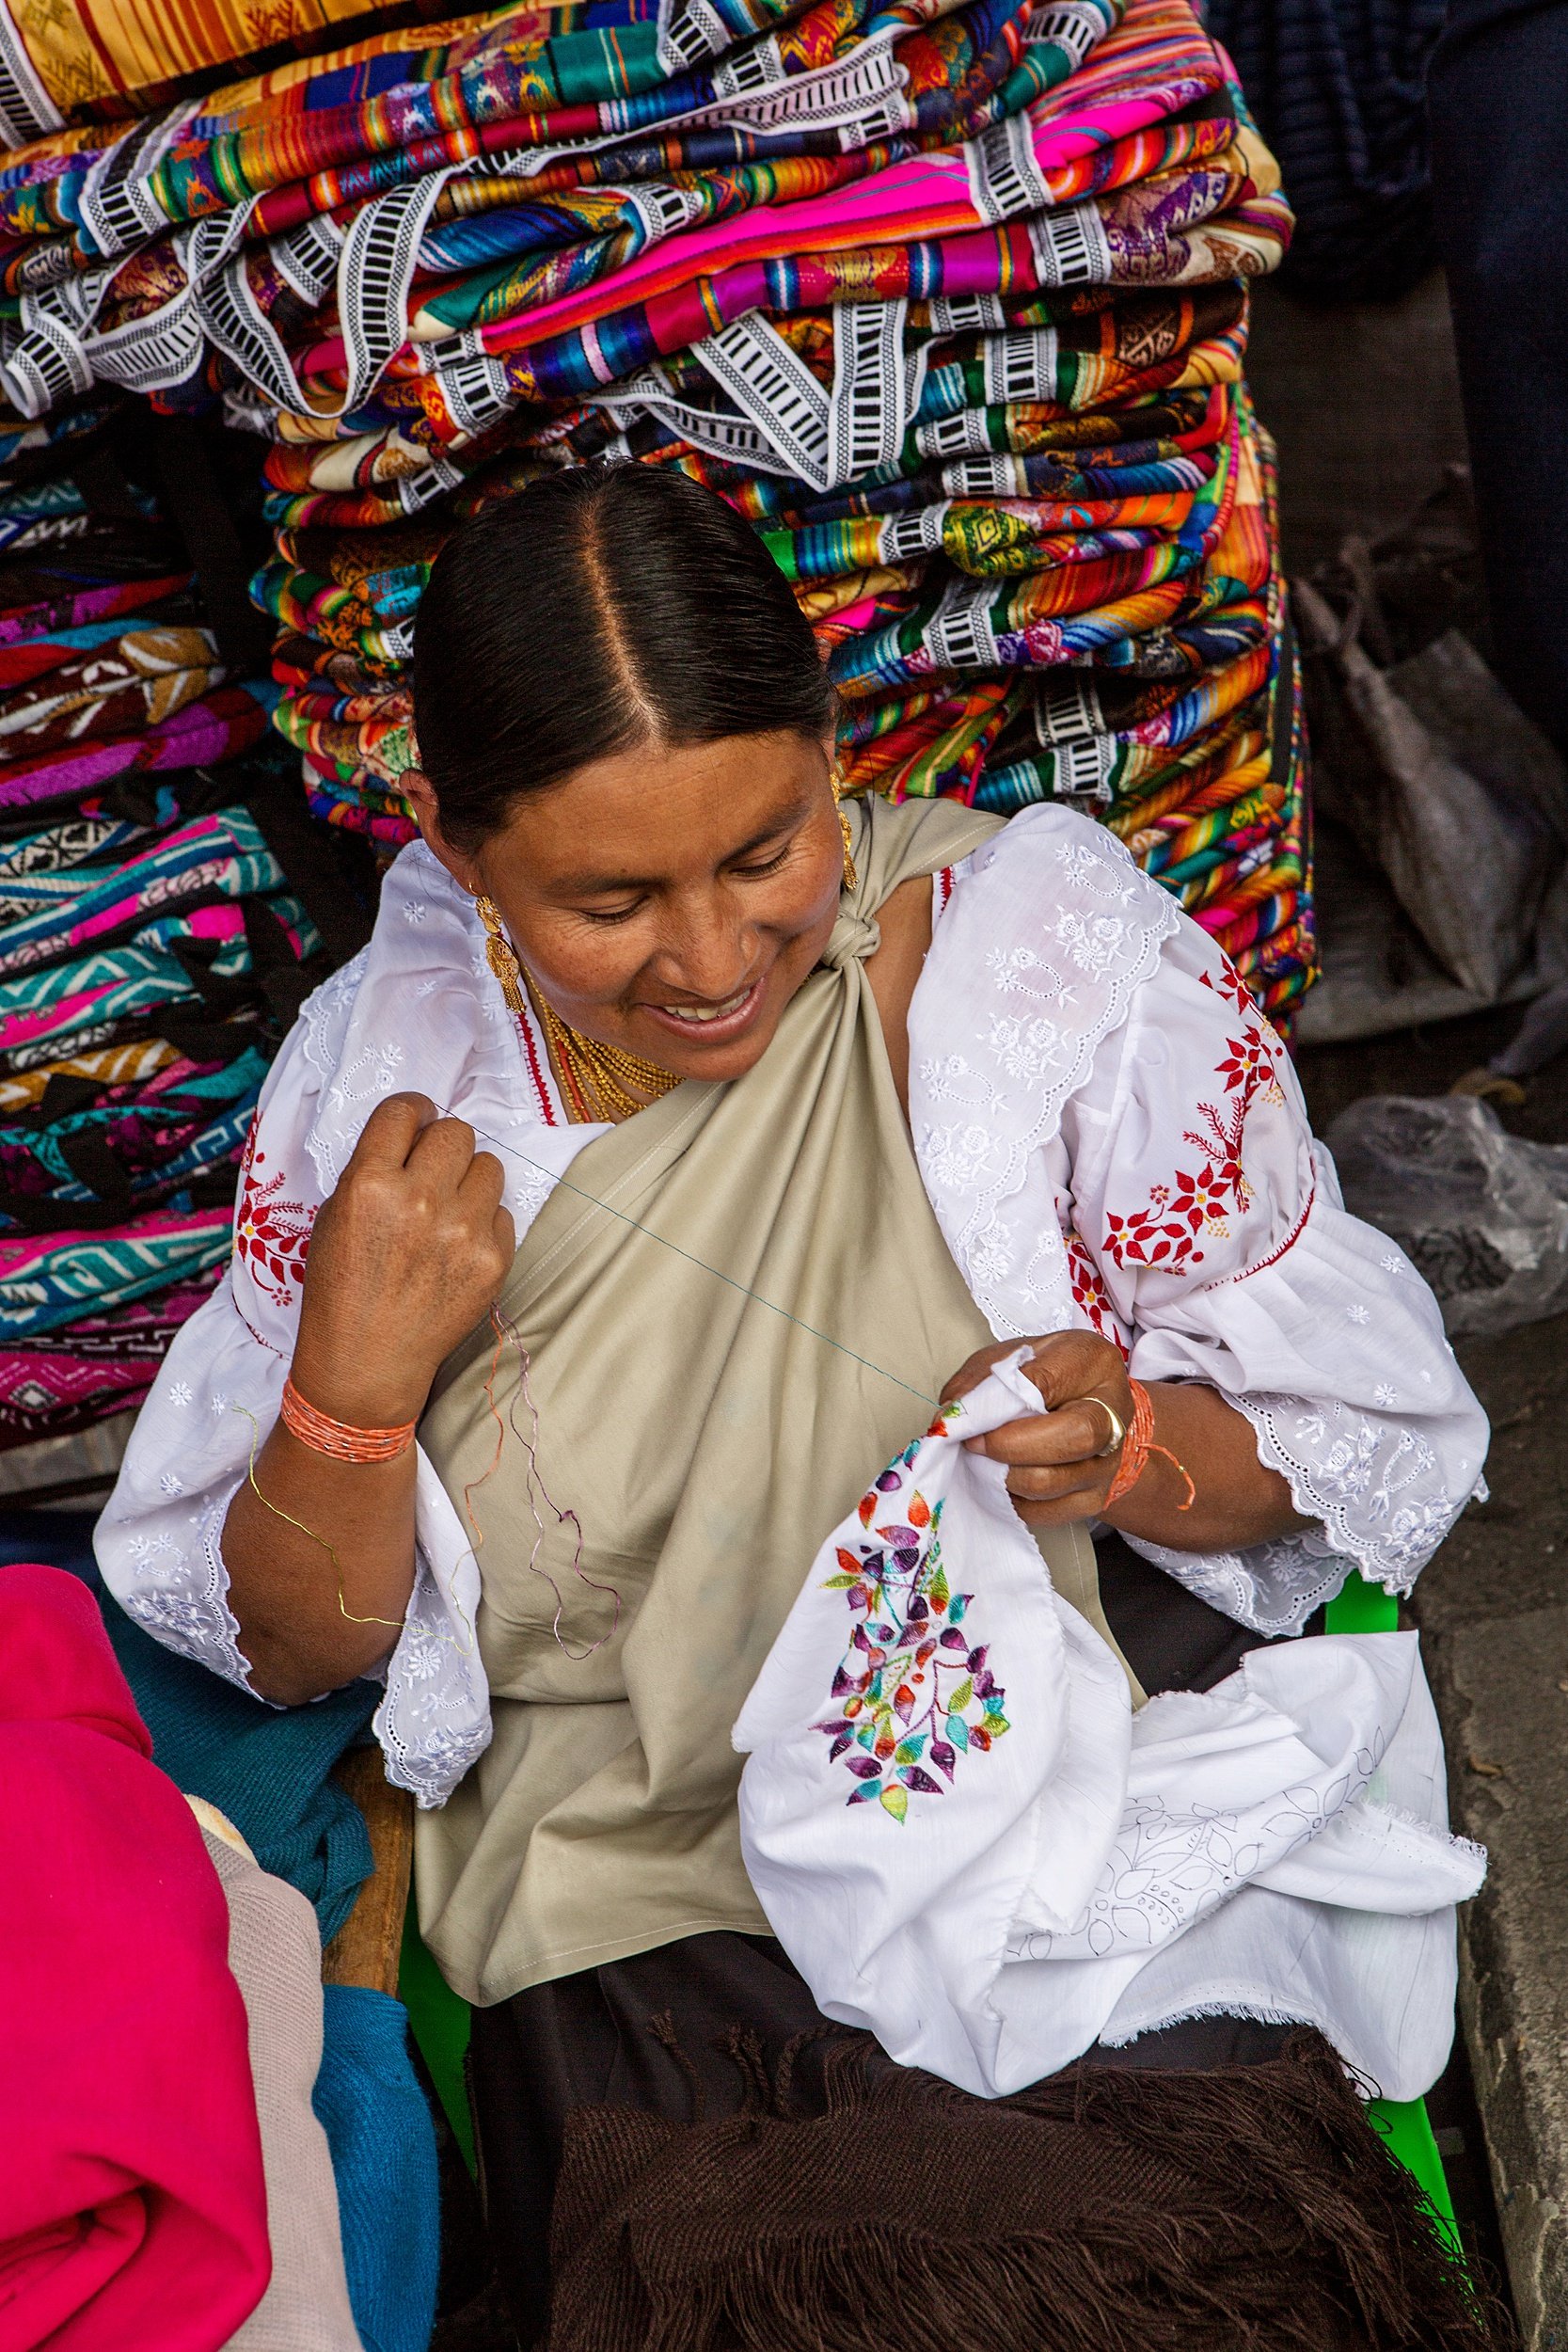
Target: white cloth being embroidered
(1109, 1133)
(969, 1846)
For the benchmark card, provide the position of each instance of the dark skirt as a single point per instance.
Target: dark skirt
(717, 2035)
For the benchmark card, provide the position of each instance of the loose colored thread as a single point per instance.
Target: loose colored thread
(1182, 1471)
(393, 1624)
(506, 1330)
(536, 1478)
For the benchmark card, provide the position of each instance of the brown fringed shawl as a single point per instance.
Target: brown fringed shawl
(1108, 2210)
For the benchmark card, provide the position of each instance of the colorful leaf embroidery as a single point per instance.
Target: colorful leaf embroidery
(914, 1694)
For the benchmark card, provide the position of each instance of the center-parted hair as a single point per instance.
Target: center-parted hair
(602, 609)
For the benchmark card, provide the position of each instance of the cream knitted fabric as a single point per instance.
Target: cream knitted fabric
(274, 1952)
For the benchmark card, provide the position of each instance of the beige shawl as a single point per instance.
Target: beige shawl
(738, 1307)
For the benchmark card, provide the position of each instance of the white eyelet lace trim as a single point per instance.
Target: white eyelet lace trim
(1339, 1461)
(434, 1720)
(192, 1615)
(1272, 1588)
(325, 1013)
(1373, 1488)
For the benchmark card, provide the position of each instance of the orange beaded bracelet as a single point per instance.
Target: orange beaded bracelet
(339, 1440)
(1137, 1446)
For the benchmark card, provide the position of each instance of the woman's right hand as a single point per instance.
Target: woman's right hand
(406, 1256)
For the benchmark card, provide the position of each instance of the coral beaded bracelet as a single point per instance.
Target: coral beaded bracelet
(339, 1440)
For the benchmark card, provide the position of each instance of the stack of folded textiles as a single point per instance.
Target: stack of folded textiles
(950, 300)
(150, 949)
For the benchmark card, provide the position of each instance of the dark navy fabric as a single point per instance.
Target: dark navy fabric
(1499, 142)
(1339, 88)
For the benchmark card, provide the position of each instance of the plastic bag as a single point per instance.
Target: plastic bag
(1448, 787)
(1483, 1215)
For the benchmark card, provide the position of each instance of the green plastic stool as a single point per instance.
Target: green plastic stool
(1364, 1607)
(441, 2021)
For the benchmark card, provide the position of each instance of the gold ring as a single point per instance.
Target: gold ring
(1118, 1429)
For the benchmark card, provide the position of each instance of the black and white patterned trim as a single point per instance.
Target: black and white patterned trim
(877, 388)
(307, 258)
(750, 360)
(60, 353)
(1070, 26)
(967, 435)
(960, 635)
(1073, 772)
(827, 439)
(862, 95)
(26, 109)
(690, 32)
(418, 490)
(718, 430)
(1020, 366)
(760, 67)
(1066, 708)
(903, 537)
(48, 366)
(1004, 177)
(965, 314)
(661, 209)
(236, 323)
(1070, 248)
(119, 208)
(997, 475)
(474, 385)
(375, 273)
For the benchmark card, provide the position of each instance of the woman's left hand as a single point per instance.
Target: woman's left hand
(1056, 1472)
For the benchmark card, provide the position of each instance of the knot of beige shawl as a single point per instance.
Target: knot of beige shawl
(891, 845)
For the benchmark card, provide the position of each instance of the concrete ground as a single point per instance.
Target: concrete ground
(1364, 406)
(1493, 1611)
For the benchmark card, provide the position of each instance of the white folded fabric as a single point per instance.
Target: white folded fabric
(970, 1845)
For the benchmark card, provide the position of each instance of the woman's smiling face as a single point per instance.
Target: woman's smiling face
(668, 901)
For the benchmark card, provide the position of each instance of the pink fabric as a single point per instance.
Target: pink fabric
(1160, 63)
(133, 2210)
(926, 196)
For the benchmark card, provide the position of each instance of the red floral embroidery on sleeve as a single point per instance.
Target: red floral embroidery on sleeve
(273, 1236)
(1089, 1293)
(1235, 991)
(1203, 1199)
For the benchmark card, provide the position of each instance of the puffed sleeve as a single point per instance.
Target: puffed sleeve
(1207, 1229)
(211, 1410)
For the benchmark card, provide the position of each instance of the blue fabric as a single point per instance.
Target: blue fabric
(382, 2144)
(266, 1768)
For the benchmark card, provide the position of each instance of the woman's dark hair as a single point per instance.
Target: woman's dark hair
(603, 608)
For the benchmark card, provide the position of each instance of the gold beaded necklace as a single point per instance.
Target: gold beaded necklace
(584, 1066)
(586, 1062)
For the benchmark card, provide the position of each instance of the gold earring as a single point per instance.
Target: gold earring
(850, 877)
(501, 954)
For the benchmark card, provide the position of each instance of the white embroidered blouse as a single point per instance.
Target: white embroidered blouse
(1110, 1136)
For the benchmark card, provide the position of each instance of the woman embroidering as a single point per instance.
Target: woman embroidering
(856, 1108)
